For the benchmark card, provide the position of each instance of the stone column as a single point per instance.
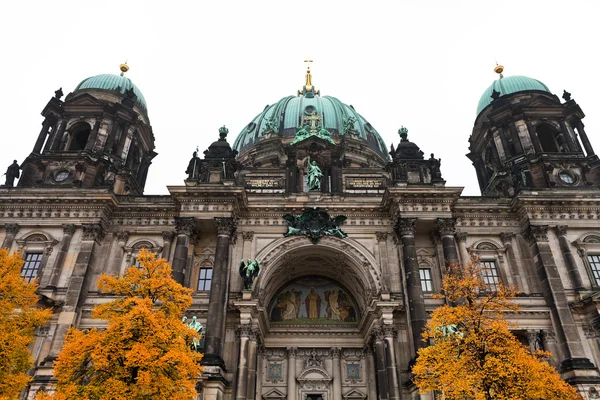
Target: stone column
(565, 248)
(242, 378)
(117, 260)
(589, 151)
(549, 341)
(47, 253)
(58, 136)
(110, 139)
(37, 148)
(93, 135)
(461, 238)
(218, 293)
(65, 242)
(337, 373)
(185, 228)
(406, 228)
(371, 375)
(78, 284)
(567, 135)
(507, 238)
(167, 240)
(291, 376)
(574, 357)
(504, 139)
(392, 370)
(11, 231)
(122, 139)
(252, 355)
(516, 140)
(535, 140)
(380, 364)
(446, 228)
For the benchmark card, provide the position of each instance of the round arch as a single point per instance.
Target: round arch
(343, 260)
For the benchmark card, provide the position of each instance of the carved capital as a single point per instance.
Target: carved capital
(68, 229)
(549, 335)
(93, 232)
(406, 226)
(389, 331)
(377, 334)
(446, 226)
(168, 236)
(381, 236)
(122, 236)
(536, 234)
(186, 225)
(561, 230)
(461, 237)
(246, 331)
(12, 229)
(248, 236)
(292, 352)
(506, 237)
(336, 352)
(225, 226)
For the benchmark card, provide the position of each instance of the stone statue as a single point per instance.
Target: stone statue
(192, 169)
(272, 125)
(301, 134)
(249, 270)
(314, 176)
(349, 124)
(325, 135)
(204, 173)
(12, 172)
(434, 168)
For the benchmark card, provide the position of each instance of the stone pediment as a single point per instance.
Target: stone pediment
(84, 99)
(354, 395)
(314, 375)
(274, 395)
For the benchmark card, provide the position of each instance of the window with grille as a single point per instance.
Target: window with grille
(489, 272)
(30, 269)
(595, 267)
(426, 281)
(205, 278)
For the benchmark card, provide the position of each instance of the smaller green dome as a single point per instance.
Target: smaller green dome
(112, 82)
(509, 85)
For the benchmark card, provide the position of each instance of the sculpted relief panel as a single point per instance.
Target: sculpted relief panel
(313, 300)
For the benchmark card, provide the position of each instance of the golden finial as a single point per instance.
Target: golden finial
(124, 68)
(308, 87)
(499, 69)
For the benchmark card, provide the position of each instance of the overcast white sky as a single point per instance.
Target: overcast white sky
(201, 65)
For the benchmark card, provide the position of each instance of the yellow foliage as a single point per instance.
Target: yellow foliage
(481, 359)
(144, 353)
(19, 317)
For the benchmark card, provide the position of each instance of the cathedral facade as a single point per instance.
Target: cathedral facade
(351, 237)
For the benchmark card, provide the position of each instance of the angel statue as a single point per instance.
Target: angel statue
(249, 270)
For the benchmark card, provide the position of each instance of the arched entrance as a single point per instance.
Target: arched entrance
(314, 309)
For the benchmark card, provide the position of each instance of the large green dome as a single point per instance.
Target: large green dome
(509, 85)
(288, 113)
(112, 82)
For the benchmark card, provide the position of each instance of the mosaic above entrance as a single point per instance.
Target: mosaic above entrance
(313, 301)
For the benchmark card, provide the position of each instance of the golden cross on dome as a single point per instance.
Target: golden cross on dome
(313, 120)
(308, 61)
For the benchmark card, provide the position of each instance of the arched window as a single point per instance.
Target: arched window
(547, 138)
(80, 135)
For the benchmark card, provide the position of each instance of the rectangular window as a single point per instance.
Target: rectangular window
(489, 273)
(426, 281)
(31, 267)
(595, 266)
(205, 278)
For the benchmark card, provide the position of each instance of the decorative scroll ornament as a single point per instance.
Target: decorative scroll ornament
(249, 271)
(314, 223)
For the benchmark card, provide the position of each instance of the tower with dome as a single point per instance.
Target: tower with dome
(351, 235)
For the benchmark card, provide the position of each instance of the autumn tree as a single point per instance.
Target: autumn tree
(144, 353)
(473, 354)
(19, 316)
